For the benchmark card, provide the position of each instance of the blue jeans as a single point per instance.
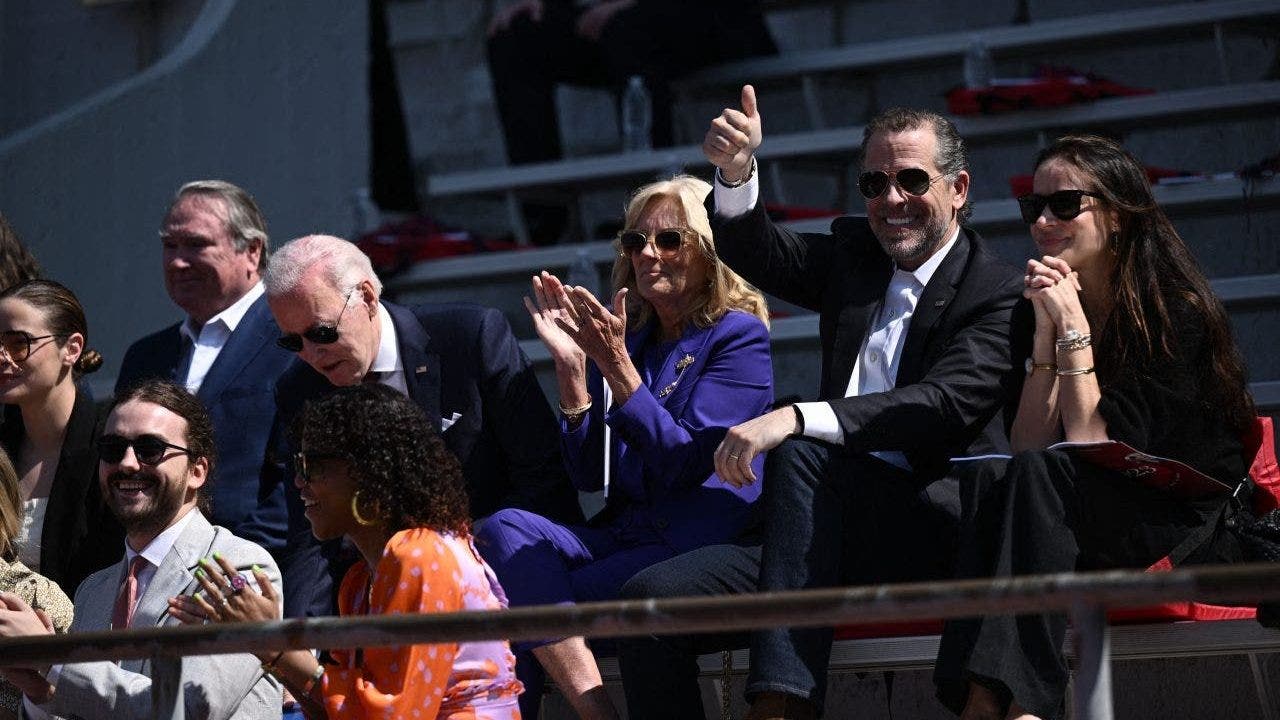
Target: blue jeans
(838, 518)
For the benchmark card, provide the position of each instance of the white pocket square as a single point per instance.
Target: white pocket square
(447, 422)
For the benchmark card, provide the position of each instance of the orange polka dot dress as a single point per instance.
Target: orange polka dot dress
(423, 571)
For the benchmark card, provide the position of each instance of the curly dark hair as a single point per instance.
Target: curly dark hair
(406, 475)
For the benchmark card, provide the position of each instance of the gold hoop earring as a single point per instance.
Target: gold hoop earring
(355, 511)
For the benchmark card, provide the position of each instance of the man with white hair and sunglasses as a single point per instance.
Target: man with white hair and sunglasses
(917, 366)
(459, 362)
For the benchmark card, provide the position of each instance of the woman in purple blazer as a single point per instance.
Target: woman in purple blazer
(680, 357)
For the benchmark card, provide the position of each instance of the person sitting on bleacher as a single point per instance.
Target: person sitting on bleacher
(536, 44)
(682, 355)
(1130, 344)
(917, 366)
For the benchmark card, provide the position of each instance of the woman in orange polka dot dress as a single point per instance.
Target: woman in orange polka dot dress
(372, 470)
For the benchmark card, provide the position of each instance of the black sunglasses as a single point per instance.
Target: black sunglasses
(916, 181)
(666, 241)
(318, 334)
(305, 464)
(149, 449)
(1064, 204)
(17, 344)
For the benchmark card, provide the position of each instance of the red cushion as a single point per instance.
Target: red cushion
(1265, 471)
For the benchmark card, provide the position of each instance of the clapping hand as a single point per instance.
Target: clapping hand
(549, 305)
(599, 332)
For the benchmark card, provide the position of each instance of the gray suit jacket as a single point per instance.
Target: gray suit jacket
(214, 687)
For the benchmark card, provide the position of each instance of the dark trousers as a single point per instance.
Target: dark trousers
(660, 673)
(1042, 512)
(830, 518)
(658, 41)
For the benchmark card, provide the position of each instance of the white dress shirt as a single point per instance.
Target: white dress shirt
(209, 339)
(387, 363)
(876, 367)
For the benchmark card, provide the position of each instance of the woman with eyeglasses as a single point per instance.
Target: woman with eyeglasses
(35, 590)
(50, 429)
(1130, 344)
(648, 387)
(372, 470)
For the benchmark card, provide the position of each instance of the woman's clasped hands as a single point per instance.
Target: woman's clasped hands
(1054, 291)
(226, 596)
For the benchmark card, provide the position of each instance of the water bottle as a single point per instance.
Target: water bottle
(977, 65)
(637, 116)
(583, 272)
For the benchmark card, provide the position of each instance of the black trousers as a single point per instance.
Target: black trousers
(830, 518)
(656, 40)
(1042, 512)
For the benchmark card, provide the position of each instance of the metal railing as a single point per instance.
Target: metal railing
(1086, 596)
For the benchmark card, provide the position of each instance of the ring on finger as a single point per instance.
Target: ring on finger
(238, 584)
(734, 456)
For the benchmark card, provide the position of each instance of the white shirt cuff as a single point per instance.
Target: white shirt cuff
(732, 202)
(820, 422)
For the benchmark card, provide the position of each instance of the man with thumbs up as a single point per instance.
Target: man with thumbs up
(916, 368)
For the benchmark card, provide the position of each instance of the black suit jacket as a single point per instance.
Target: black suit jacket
(461, 359)
(961, 371)
(80, 535)
(247, 485)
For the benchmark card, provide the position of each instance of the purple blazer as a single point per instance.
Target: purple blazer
(665, 435)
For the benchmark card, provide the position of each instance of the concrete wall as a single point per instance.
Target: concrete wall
(258, 92)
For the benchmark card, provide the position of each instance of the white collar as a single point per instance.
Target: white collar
(230, 317)
(924, 273)
(158, 548)
(388, 357)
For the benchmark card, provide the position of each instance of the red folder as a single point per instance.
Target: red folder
(1174, 477)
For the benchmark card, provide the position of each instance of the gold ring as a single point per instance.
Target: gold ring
(734, 456)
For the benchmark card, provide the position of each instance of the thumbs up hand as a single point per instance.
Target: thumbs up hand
(733, 138)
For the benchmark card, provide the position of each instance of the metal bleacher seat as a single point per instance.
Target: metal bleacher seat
(1222, 102)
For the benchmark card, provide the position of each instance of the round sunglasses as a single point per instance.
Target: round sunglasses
(666, 242)
(319, 334)
(914, 181)
(1064, 204)
(17, 345)
(148, 449)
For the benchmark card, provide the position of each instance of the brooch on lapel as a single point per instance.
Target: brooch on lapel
(681, 365)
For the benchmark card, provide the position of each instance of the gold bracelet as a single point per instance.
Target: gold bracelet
(315, 678)
(1034, 366)
(573, 414)
(1077, 371)
(269, 667)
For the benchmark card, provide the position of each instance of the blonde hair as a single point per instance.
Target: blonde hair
(725, 289)
(10, 508)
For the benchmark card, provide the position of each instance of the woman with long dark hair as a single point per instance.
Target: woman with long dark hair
(1130, 344)
(50, 429)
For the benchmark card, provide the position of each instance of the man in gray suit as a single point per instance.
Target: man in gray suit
(156, 453)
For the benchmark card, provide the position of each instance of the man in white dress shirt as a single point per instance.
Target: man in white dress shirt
(214, 249)
(916, 368)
